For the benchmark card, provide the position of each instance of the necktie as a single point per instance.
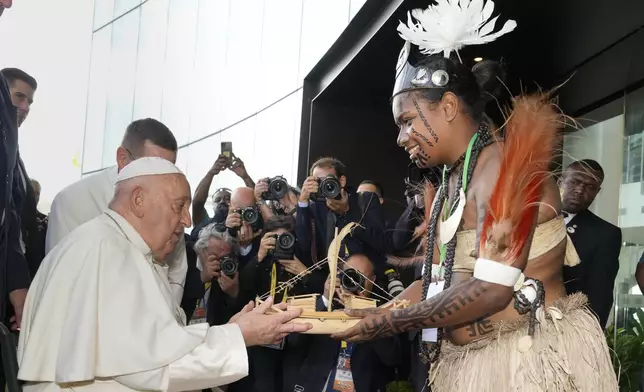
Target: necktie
(565, 214)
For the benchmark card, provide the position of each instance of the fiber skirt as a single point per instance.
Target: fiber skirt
(568, 353)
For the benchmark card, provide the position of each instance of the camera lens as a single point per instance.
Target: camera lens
(249, 215)
(352, 281)
(330, 188)
(286, 241)
(278, 188)
(229, 266)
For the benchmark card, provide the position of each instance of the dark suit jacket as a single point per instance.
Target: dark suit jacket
(308, 360)
(13, 268)
(598, 244)
(366, 241)
(33, 238)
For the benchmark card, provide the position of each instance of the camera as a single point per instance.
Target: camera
(352, 281)
(277, 188)
(394, 285)
(249, 215)
(284, 246)
(329, 188)
(229, 265)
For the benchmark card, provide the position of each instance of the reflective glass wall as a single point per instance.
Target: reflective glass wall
(212, 71)
(613, 137)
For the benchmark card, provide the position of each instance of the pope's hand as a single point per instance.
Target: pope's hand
(259, 328)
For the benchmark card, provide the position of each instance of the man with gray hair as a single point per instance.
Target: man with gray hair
(217, 260)
(101, 315)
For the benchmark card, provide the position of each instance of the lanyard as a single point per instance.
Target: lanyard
(448, 211)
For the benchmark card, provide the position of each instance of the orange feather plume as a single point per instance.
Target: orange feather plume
(527, 150)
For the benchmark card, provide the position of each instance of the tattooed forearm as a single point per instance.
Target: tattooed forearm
(456, 305)
(377, 327)
(479, 328)
(425, 122)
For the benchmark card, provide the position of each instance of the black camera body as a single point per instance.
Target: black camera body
(352, 281)
(329, 188)
(277, 188)
(229, 265)
(250, 215)
(284, 246)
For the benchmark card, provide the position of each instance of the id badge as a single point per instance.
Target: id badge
(199, 314)
(343, 377)
(430, 335)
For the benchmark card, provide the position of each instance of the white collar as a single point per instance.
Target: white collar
(129, 232)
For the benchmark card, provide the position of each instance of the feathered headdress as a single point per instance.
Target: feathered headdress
(452, 24)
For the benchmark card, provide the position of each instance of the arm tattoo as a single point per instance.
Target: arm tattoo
(378, 327)
(448, 308)
(479, 327)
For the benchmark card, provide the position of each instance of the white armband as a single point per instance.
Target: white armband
(495, 272)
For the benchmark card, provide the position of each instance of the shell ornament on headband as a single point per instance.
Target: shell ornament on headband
(444, 28)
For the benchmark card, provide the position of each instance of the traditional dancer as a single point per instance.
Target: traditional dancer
(496, 242)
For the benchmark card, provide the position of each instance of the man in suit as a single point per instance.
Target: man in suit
(14, 273)
(318, 363)
(598, 242)
(22, 88)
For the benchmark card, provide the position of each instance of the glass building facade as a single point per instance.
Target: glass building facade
(614, 139)
(212, 71)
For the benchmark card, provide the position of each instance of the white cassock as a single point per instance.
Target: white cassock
(88, 198)
(100, 316)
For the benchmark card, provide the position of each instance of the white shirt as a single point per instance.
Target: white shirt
(88, 198)
(568, 217)
(100, 316)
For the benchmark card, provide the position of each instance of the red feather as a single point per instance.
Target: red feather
(527, 151)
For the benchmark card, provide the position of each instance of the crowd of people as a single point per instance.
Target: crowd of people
(132, 283)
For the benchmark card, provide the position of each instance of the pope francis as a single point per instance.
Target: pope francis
(100, 314)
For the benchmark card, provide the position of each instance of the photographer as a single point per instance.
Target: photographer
(199, 214)
(326, 203)
(319, 363)
(276, 197)
(214, 249)
(277, 261)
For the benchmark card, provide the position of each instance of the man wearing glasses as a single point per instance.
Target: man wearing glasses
(86, 199)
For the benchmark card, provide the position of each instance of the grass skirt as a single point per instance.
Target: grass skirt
(569, 354)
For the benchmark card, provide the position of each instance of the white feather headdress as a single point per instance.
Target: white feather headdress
(452, 24)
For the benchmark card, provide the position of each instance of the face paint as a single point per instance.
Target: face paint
(422, 137)
(425, 122)
(422, 159)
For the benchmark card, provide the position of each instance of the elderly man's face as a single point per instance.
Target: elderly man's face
(218, 248)
(166, 213)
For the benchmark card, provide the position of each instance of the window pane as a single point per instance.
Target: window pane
(277, 138)
(242, 137)
(280, 49)
(96, 100)
(322, 23)
(199, 159)
(210, 69)
(244, 76)
(122, 79)
(178, 89)
(148, 91)
(103, 12)
(122, 6)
